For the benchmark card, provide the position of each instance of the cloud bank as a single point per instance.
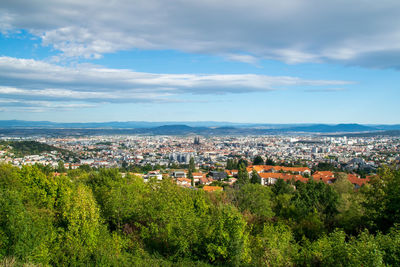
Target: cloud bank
(358, 32)
(41, 83)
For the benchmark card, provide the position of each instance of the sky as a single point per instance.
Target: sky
(259, 61)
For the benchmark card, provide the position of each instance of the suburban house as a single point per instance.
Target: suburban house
(326, 176)
(232, 173)
(356, 180)
(154, 174)
(271, 178)
(183, 182)
(197, 176)
(218, 175)
(275, 169)
(179, 174)
(231, 181)
(206, 180)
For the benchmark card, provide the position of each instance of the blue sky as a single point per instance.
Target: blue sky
(239, 61)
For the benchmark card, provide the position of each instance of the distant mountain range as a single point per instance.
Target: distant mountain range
(133, 124)
(20, 127)
(325, 128)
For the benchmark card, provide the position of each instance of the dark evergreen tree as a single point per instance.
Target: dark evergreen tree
(270, 162)
(242, 161)
(255, 178)
(258, 160)
(229, 164)
(192, 166)
(243, 175)
(61, 167)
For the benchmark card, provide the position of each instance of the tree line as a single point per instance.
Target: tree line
(100, 217)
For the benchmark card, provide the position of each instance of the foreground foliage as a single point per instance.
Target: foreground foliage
(98, 217)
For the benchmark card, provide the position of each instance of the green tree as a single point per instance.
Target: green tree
(27, 234)
(61, 167)
(350, 208)
(192, 169)
(243, 175)
(80, 218)
(269, 161)
(382, 200)
(85, 167)
(256, 199)
(258, 160)
(282, 187)
(192, 166)
(229, 164)
(389, 244)
(226, 241)
(317, 196)
(122, 201)
(365, 251)
(274, 246)
(315, 208)
(328, 250)
(124, 165)
(39, 189)
(255, 178)
(171, 221)
(242, 161)
(190, 176)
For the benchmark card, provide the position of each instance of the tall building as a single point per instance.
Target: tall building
(196, 141)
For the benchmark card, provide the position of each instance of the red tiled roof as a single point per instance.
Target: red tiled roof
(325, 176)
(324, 173)
(206, 180)
(182, 180)
(260, 168)
(284, 176)
(354, 179)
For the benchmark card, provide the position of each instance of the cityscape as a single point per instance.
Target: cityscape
(199, 133)
(164, 155)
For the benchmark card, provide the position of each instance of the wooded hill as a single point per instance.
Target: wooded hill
(24, 148)
(100, 218)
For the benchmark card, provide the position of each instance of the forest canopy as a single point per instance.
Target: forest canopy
(100, 217)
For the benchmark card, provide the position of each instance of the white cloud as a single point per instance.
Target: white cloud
(242, 58)
(18, 105)
(359, 32)
(32, 80)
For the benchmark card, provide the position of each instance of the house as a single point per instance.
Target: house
(272, 178)
(269, 169)
(232, 173)
(263, 168)
(197, 176)
(231, 181)
(183, 182)
(218, 175)
(179, 174)
(356, 180)
(294, 170)
(154, 174)
(326, 176)
(206, 181)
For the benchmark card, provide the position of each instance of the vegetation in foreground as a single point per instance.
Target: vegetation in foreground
(92, 218)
